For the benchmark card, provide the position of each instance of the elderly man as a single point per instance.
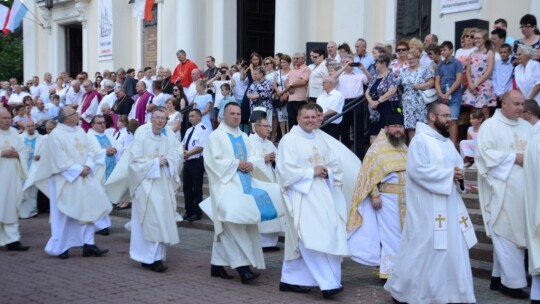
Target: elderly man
(191, 91)
(32, 140)
(13, 157)
(432, 264)
(154, 162)
(238, 202)
(316, 239)
(263, 155)
(44, 86)
(296, 86)
(430, 39)
(74, 94)
(89, 104)
(17, 96)
(182, 72)
(332, 101)
(192, 178)
(122, 105)
(39, 114)
(331, 48)
(109, 98)
(380, 189)
(166, 84)
(142, 99)
(66, 175)
(34, 88)
(501, 144)
(362, 56)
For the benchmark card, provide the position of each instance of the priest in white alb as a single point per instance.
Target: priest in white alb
(432, 264)
(32, 141)
(315, 237)
(501, 144)
(262, 155)
(238, 202)
(149, 170)
(531, 163)
(13, 167)
(105, 155)
(65, 174)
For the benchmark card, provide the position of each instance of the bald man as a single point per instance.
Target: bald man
(332, 101)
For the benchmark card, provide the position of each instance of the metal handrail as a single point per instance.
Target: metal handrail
(186, 109)
(351, 106)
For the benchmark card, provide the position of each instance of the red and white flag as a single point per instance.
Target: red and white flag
(142, 9)
(4, 16)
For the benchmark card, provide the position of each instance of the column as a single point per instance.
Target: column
(159, 34)
(390, 21)
(224, 31)
(81, 7)
(30, 66)
(348, 21)
(288, 30)
(186, 28)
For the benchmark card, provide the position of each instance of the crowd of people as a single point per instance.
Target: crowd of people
(129, 139)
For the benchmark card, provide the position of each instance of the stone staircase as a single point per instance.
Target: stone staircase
(481, 254)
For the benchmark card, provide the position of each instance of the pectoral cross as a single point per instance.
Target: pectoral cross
(464, 220)
(440, 219)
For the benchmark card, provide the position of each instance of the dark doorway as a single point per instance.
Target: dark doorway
(413, 19)
(74, 49)
(256, 27)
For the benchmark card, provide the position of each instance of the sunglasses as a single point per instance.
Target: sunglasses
(401, 50)
(468, 36)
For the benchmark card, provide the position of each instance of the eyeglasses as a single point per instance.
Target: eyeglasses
(468, 36)
(401, 50)
(314, 56)
(99, 123)
(525, 26)
(75, 113)
(265, 126)
(267, 63)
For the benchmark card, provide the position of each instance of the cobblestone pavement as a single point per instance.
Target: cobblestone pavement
(35, 277)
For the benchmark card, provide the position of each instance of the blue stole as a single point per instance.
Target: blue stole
(30, 143)
(110, 160)
(261, 197)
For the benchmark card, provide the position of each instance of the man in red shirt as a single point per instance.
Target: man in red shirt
(182, 72)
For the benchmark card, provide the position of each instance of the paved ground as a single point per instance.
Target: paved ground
(34, 277)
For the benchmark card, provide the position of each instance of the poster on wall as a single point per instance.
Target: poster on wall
(456, 6)
(105, 30)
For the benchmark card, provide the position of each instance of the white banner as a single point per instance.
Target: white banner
(455, 6)
(105, 30)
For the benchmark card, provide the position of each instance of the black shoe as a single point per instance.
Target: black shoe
(495, 283)
(271, 249)
(193, 218)
(535, 301)
(332, 292)
(157, 266)
(93, 250)
(398, 302)
(293, 288)
(64, 255)
(185, 216)
(219, 272)
(104, 231)
(246, 275)
(517, 293)
(16, 246)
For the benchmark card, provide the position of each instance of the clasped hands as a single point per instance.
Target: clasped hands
(270, 157)
(10, 153)
(245, 167)
(110, 151)
(320, 171)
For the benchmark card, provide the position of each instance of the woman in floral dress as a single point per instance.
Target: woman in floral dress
(480, 93)
(413, 79)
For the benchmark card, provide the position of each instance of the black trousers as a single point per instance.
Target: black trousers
(292, 111)
(333, 130)
(346, 125)
(192, 185)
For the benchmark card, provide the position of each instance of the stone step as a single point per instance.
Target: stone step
(471, 174)
(482, 252)
(471, 200)
(481, 235)
(481, 269)
(476, 216)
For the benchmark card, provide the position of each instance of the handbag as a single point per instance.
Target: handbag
(279, 101)
(428, 95)
(258, 112)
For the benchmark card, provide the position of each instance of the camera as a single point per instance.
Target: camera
(223, 71)
(355, 64)
(244, 64)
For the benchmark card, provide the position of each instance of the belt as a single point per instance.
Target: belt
(392, 188)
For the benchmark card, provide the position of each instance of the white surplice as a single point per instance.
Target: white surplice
(316, 210)
(500, 188)
(13, 172)
(259, 148)
(432, 264)
(532, 211)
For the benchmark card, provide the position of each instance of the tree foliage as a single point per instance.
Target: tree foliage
(11, 53)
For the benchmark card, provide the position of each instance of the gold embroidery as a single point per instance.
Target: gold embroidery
(240, 151)
(316, 158)
(440, 219)
(518, 144)
(80, 147)
(464, 220)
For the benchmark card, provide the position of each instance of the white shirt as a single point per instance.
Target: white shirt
(191, 92)
(44, 90)
(198, 139)
(332, 101)
(502, 76)
(34, 90)
(148, 82)
(240, 86)
(526, 78)
(38, 115)
(351, 85)
(17, 98)
(74, 98)
(161, 99)
(337, 58)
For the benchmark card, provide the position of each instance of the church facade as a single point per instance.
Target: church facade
(94, 35)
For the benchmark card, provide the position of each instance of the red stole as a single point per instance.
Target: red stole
(86, 102)
(140, 110)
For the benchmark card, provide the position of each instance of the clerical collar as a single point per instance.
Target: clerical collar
(500, 116)
(257, 137)
(70, 128)
(302, 132)
(233, 131)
